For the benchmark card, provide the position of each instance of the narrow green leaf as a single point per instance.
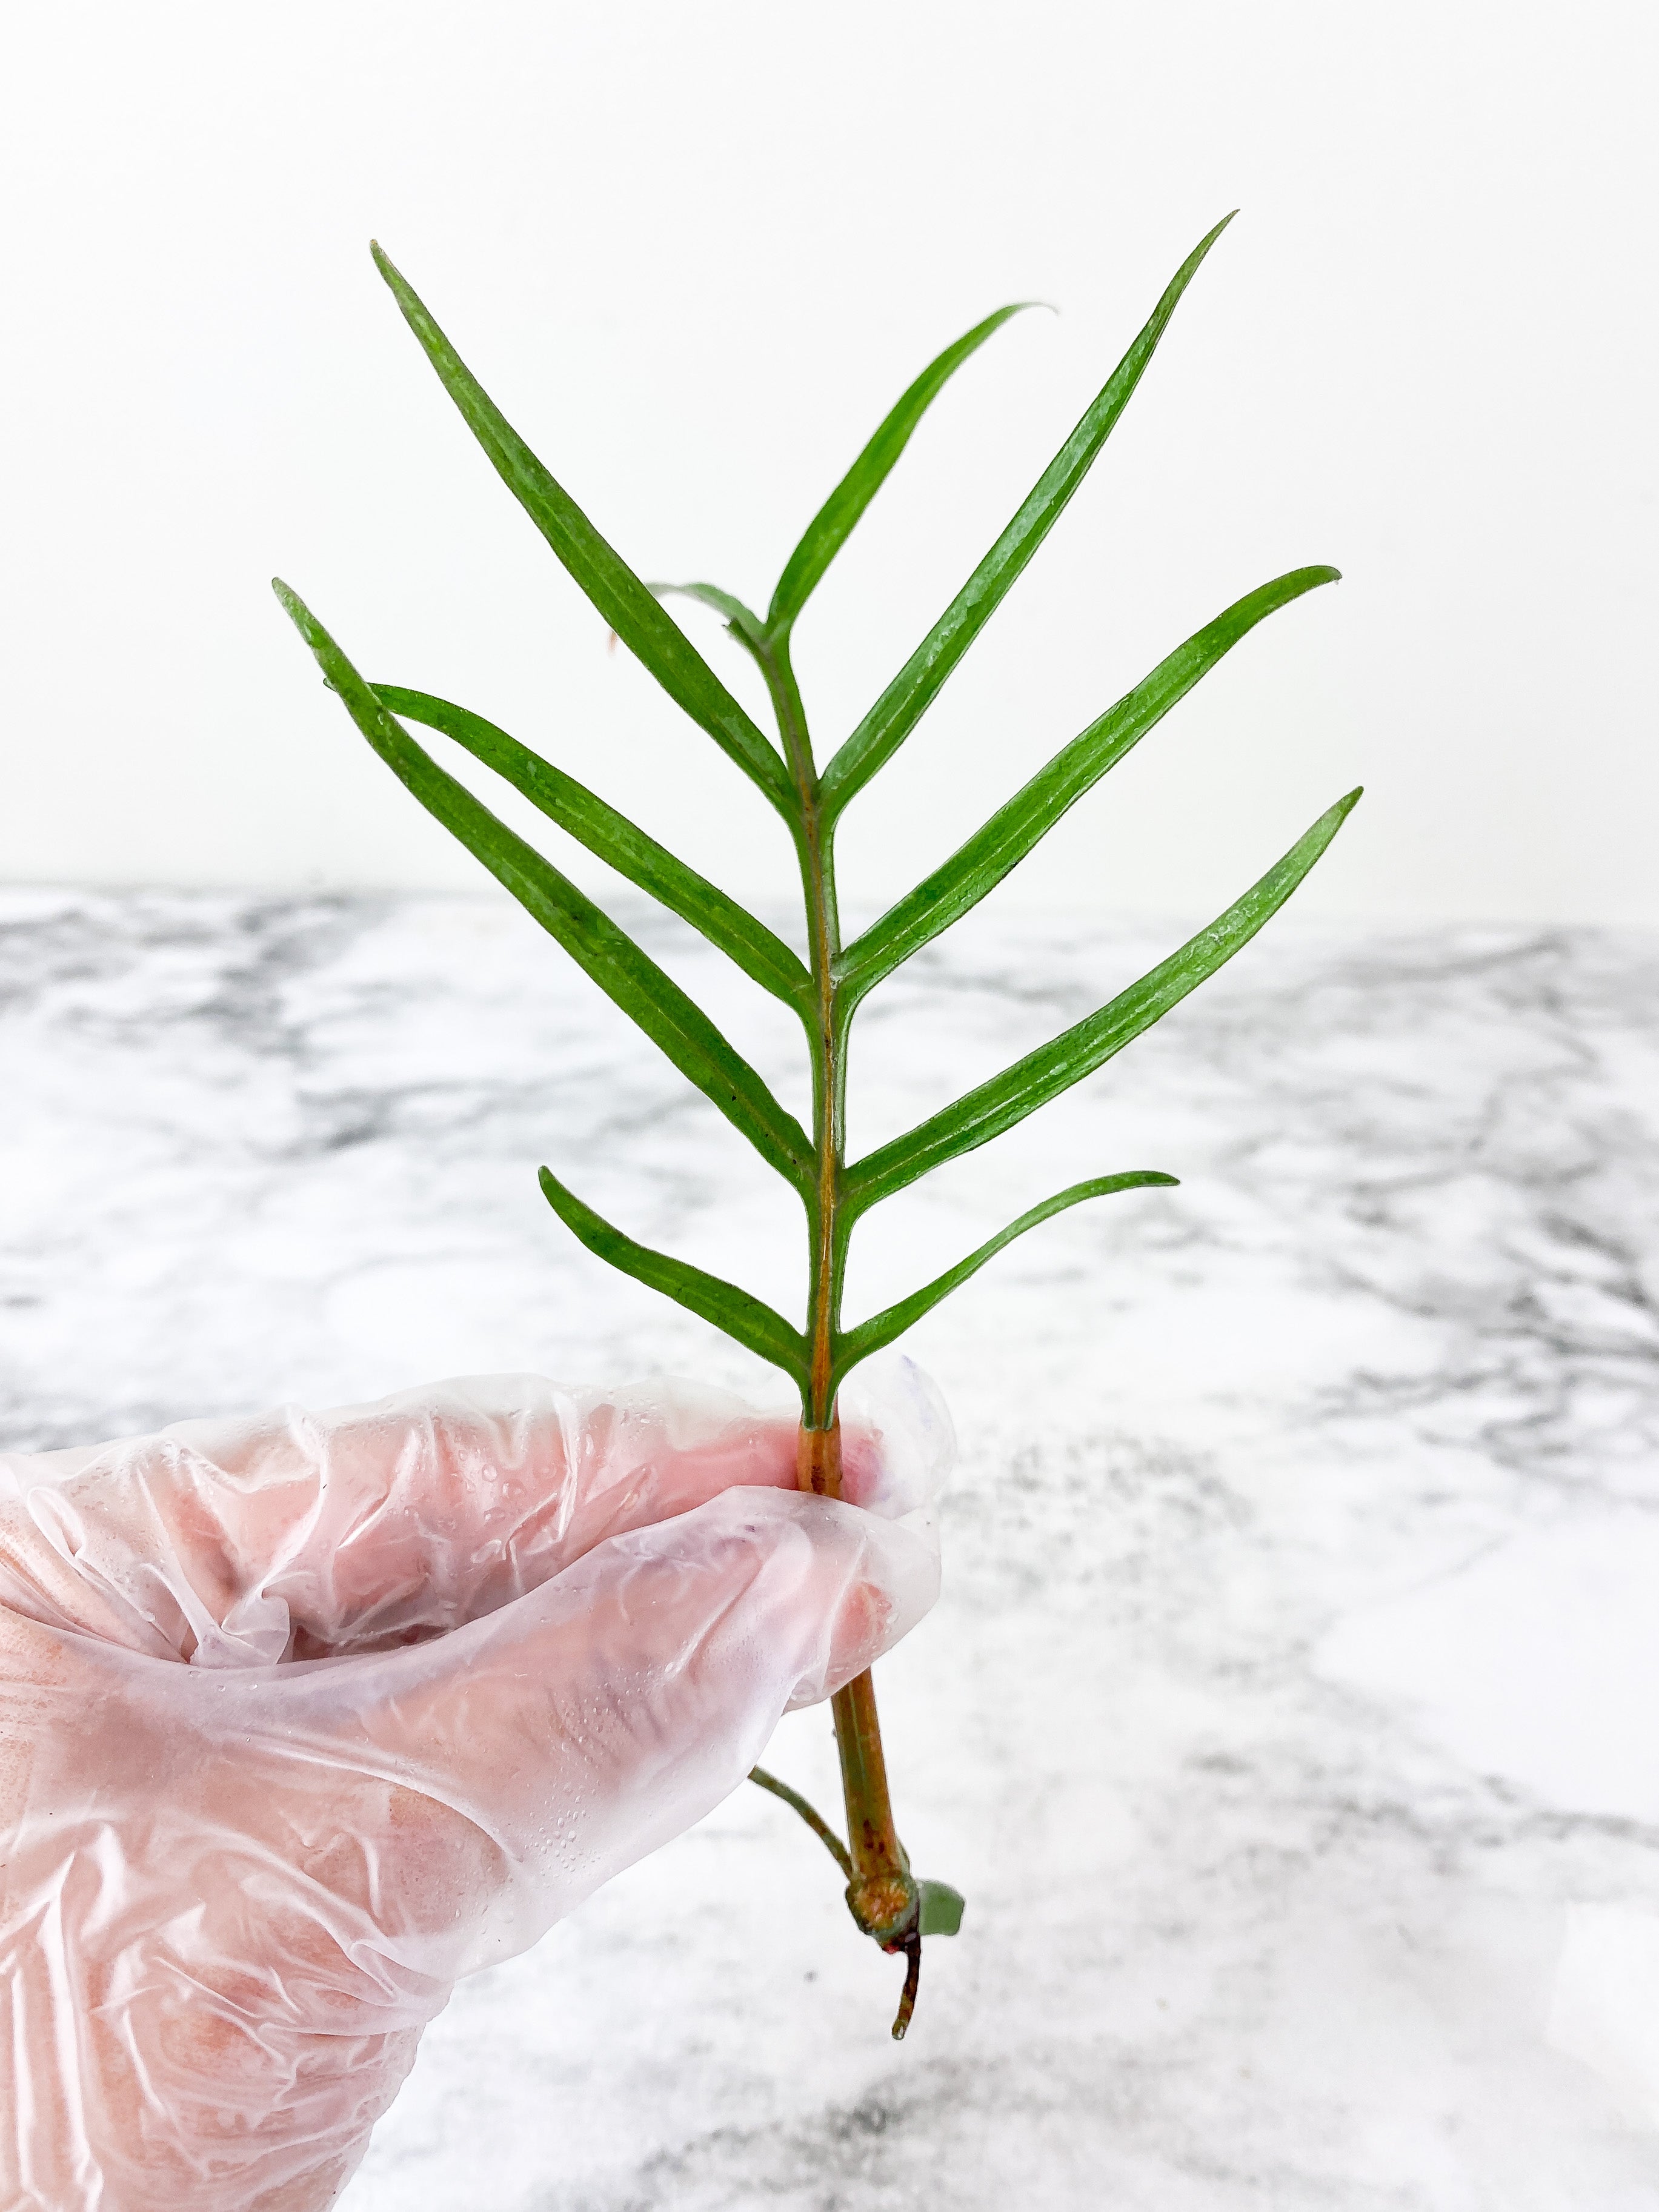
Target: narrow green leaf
(751, 1324)
(833, 523)
(986, 1111)
(617, 841)
(857, 1344)
(942, 1908)
(626, 974)
(1002, 843)
(630, 609)
(742, 621)
(771, 655)
(907, 698)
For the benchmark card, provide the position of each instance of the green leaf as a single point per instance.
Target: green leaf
(907, 698)
(751, 1324)
(626, 974)
(986, 1111)
(942, 1908)
(1002, 843)
(833, 523)
(771, 654)
(627, 605)
(742, 622)
(617, 842)
(857, 1344)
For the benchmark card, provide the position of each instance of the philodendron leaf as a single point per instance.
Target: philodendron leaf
(992, 1106)
(907, 698)
(752, 1323)
(831, 525)
(1002, 843)
(617, 841)
(626, 603)
(942, 1908)
(742, 622)
(771, 653)
(628, 975)
(857, 1344)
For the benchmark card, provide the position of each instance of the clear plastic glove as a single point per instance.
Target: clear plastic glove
(303, 1718)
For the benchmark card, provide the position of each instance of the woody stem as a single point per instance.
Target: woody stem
(881, 1896)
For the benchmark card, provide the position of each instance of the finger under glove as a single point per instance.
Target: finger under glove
(302, 1535)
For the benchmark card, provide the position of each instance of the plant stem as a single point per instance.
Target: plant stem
(881, 1895)
(821, 1828)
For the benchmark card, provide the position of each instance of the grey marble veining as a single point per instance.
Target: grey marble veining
(1297, 1672)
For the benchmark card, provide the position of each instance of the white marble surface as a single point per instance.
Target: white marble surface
(1296, 1688)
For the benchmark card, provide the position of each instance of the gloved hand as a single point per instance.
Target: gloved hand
(303, 1718)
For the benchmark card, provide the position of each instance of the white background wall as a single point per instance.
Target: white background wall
(696, 252)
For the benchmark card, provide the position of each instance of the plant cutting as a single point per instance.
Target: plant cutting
(808, 796)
